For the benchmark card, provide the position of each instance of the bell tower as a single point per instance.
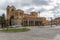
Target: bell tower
(10, 11)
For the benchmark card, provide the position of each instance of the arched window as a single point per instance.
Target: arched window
(12, 10)
(21, 13)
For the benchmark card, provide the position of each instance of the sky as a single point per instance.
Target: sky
(47, 8)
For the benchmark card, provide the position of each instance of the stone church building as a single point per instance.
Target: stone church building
(18, 17)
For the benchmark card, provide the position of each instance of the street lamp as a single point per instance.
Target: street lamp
(51, 21)
(39, 14)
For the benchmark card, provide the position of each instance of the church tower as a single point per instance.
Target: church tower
(10, 11)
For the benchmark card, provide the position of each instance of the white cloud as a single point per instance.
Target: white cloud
(48, 7)
(2, 2)
(44, 6)
(50, 14)
(58, 1)
(13, 0)
(47, 14)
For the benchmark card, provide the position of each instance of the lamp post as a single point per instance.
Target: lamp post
(55, 22)
(51, 21)
(40, 20)
(39, 12)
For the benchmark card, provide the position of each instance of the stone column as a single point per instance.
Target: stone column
(23, 23)
(28, 22)
(34, 22)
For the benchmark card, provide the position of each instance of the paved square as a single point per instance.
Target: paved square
(36, 33)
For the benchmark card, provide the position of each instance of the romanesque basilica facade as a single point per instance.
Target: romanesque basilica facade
(18, 17)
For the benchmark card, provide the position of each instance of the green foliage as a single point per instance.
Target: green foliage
(15, 30)
(3, 21)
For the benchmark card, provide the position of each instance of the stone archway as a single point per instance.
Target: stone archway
(11, 20)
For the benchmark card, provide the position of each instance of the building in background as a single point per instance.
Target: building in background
(57, 20)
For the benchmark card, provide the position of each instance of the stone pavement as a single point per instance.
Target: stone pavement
(36, 33)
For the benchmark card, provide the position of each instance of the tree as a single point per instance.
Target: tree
(3, 21)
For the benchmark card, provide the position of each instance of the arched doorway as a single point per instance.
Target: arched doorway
(11, 20)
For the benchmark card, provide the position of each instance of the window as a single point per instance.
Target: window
(16, 13)
(20, 14)
(12, 10)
